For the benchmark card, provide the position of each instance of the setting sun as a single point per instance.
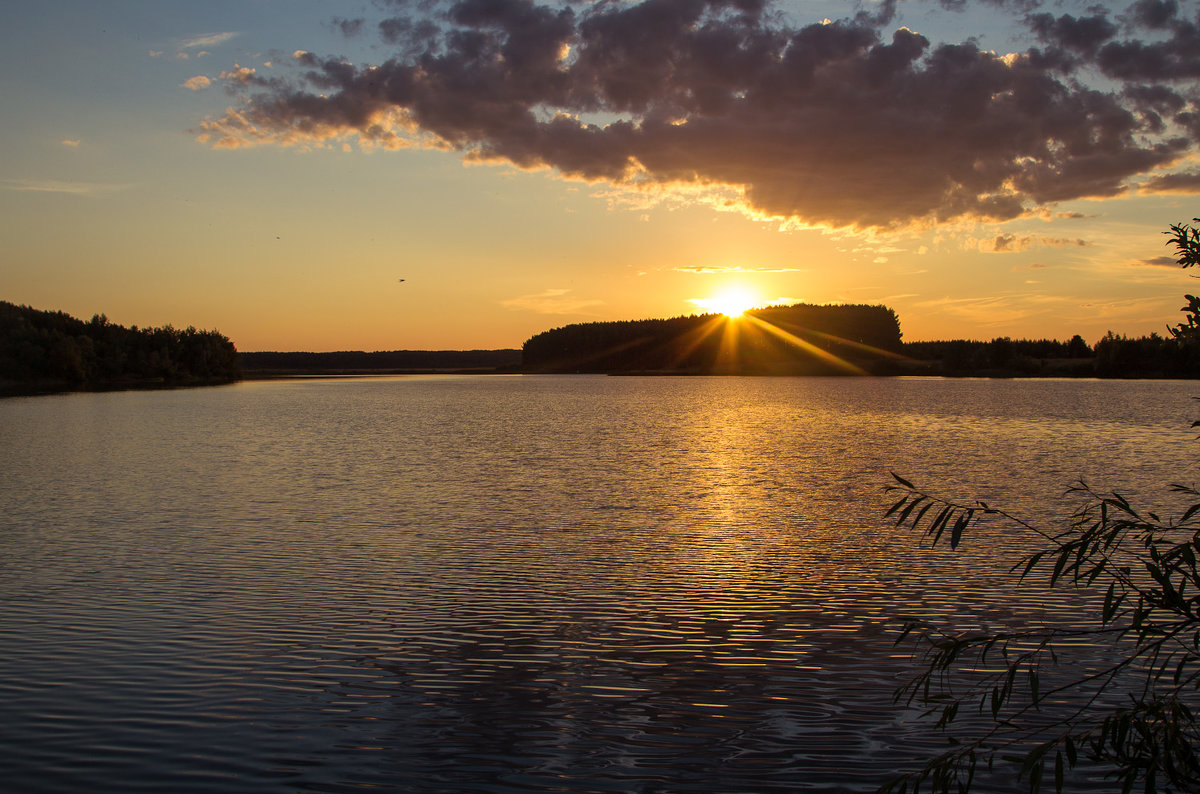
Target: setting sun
(731, 302)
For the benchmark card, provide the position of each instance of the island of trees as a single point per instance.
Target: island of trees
(804, 339)
(801, 339)
(53, 351)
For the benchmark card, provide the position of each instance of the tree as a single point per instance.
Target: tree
(1133, 715)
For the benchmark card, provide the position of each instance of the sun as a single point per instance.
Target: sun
(733, 302)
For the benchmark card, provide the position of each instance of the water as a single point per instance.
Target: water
(502, 584)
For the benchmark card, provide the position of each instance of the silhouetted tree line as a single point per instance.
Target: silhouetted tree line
(797, 339)
(55, 350)
(1006, 356)
(1150, 356)
(1154, 356)
(396, 360)
(1176, 355)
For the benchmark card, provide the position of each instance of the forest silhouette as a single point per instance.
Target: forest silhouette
(801, 339)
(52, 351)
(44, 351)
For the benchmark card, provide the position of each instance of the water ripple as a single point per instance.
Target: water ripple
(511, 584)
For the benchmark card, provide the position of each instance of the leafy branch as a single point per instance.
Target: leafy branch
(1131, 715)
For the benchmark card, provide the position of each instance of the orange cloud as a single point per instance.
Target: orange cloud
(197, 83)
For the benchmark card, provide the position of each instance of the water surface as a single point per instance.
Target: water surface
(500, 584)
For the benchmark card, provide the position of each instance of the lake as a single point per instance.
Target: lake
(518, 583)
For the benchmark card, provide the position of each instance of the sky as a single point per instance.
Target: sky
(420, 174)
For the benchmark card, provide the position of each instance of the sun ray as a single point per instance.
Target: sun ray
(694, 339)
(818, 353)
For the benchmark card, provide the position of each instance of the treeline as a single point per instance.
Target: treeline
(1004, 356)
(47, 350)
(1150, 356)
(1114, 356)
(350, 361)
(801, 339)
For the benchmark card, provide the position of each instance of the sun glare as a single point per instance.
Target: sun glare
(731, 303)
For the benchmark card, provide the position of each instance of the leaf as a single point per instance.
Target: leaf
(1072, 753)
(1110, 604)
(908, 510)
(959, 526)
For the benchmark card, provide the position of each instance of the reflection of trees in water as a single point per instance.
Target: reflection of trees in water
(646, 702)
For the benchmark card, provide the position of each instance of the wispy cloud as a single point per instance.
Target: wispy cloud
(60, 186)
(985, 312)
(720, 271)
(1158, 261)
(550, 301)
(206, 40)
(71, 143)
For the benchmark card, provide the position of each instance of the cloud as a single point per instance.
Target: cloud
(1185, 182)
(206, 40)
(1009, 243)
(550, 301)
(348, 27)
(986, 312)
(837, 124)
(1158, 261)
(197, 83)
(72, 143)
(702, 270)
(60, 186)
(239, 75)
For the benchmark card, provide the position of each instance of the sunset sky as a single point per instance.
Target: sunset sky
(306, 175)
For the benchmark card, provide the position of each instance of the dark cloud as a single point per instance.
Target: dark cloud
(349, 27)
(1159, 261)
(1009, 243)
(1083, 35)
(1008, 5)
(1173, 58)
(1186, 182)
(835, 123)
(1158, 105)
(1153, 14)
